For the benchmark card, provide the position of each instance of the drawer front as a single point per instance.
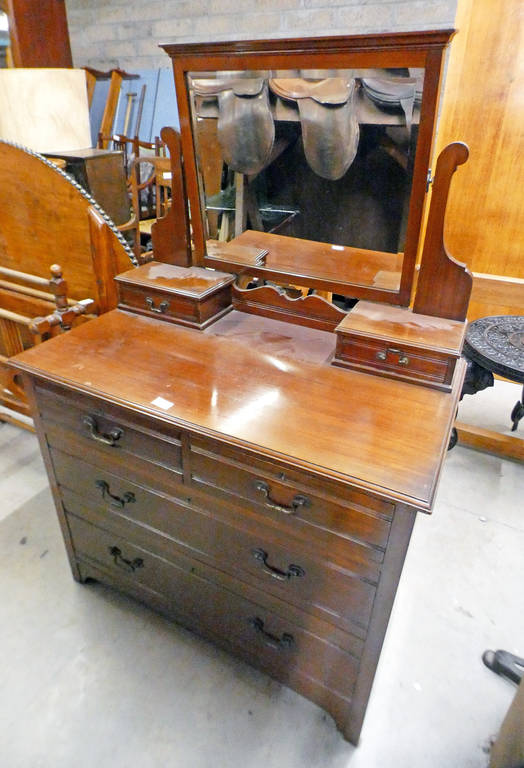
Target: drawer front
(394, 359)
(191, 311)
(159, 304)
(109, 430)
(281, 646)
(281, 498)
(276, 565)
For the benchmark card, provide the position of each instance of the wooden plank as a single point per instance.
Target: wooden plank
(444, 284)
(497, 289)
(9, 419)
(482, 106)
(39, 33)
(496, 295)
(106, 126)
(487, 440)
(90, 84)
(14, 317)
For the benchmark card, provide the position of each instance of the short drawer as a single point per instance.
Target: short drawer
(292, 498)
(277, 565)
(396, 360)
(175, 307)
(281, 646)
(108, 429)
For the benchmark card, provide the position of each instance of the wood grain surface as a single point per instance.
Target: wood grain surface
(192, 281)
(44, 220)
(342, 264)
(386, 436)
(483, 107)
(402, 325)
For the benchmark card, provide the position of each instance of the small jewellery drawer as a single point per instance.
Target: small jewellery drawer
(394, 358)
(399, 344)
(280, 567)
(279, 643)
(189, 296)
(284, 496)
(108, 429)
(182, 310)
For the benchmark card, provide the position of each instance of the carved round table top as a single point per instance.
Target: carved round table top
(497, 343)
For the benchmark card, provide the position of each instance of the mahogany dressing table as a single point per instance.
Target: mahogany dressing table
(248, 464)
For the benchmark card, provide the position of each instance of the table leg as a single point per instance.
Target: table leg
(517, 413)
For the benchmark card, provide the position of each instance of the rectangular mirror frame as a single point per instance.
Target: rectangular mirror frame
(414, 49)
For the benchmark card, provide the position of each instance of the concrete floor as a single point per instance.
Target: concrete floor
(90, 678)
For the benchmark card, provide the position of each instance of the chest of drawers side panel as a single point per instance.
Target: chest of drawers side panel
(400, 536)
(30, 390)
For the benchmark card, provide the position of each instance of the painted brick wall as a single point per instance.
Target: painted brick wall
(126, 33)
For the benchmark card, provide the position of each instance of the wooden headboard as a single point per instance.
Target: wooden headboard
(46, 217)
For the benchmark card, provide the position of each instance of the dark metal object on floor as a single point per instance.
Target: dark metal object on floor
(505, 664)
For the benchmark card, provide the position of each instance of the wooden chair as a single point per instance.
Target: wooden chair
(118, 143)
(153, 175)
(18, 331)
(132, 147)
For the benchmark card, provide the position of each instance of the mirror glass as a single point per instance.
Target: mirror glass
(320, 155)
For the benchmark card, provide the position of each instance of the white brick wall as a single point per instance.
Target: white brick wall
(127, 33)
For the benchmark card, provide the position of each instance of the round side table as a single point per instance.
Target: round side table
(496, 345)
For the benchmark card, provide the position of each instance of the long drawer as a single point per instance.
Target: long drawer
(282, 646)
(279, 566)
(348, 554)
(292, 496)
(337, 705)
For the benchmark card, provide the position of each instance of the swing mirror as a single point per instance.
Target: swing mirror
(306, 161)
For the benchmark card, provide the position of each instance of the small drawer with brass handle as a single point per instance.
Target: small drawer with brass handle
(109, 437)
(427, 366)
(402, 358)
(193, 297)
(400, 344)
(160, 310)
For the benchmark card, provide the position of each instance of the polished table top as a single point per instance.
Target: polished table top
(378, 434)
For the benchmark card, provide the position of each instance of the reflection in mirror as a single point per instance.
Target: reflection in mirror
(322, 155)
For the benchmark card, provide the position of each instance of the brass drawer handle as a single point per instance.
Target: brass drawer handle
(277, 643)
(403, 359)
(111, 438)
(160, 310)
(298, 500)
(293, 570)
(116, 501)
(126, 565)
